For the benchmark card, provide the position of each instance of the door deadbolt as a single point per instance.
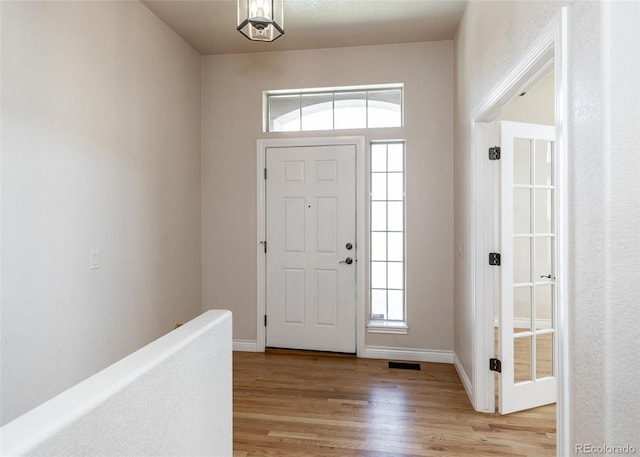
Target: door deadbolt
(348, 261)
(349, 246)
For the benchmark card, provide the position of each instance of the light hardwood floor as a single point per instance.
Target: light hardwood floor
(297, 404)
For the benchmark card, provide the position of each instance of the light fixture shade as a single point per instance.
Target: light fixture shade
(261, 20)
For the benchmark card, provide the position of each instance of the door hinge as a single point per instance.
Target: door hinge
(494, 153)
(265, 173)
(495, 365)
(265, 320)
(264, 246)
(494, 258)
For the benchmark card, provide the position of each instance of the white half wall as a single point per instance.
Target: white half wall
(100, 151)
(173, 397)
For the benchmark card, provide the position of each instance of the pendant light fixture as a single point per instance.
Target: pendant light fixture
(260, 20)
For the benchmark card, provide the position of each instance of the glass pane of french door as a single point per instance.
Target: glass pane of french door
(533, 259)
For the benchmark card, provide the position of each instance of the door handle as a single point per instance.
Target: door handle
(348, 261)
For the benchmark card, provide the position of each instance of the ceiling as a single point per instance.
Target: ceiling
(209, 26)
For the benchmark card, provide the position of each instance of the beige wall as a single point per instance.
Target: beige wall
(603, 188)
(100, 149)
(232, 107)
(537, 106)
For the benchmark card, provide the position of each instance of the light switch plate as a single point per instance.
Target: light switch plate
(94, 259)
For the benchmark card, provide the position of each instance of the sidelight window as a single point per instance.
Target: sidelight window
(387, 237)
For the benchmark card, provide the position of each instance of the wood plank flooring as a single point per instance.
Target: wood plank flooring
(298, 404)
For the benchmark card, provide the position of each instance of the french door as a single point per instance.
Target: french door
(527, 334)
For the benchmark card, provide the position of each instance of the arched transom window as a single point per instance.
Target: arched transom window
(333, 109)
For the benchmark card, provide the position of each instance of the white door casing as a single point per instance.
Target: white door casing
(528, 266)
(306, 218)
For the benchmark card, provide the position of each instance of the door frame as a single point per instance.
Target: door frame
(360, 242)
(548, 51)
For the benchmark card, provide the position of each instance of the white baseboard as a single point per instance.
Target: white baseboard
(415, 355)
(245, 346)
(466, 382)
(376, 352)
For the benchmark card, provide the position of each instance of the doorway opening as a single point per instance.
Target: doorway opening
(543, 67)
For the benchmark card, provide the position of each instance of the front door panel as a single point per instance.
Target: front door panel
(311, 215)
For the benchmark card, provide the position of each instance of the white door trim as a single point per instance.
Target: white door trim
(549, 49)
(262, 146)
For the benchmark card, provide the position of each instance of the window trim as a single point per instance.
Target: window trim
(389, 327)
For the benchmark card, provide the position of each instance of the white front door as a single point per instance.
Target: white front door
(311, 252)
(528, 266)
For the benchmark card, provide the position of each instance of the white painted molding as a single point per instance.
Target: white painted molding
(466, 382)
(415, 355)
(533, 66)
(483, 136)
(389, 327)
(261, 229)
(245, 346)
(563, 408)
